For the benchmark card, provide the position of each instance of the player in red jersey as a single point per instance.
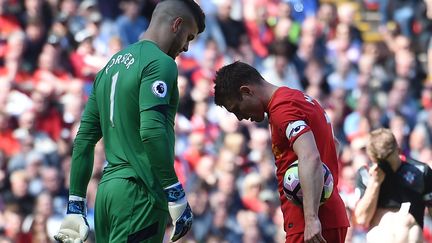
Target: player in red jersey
(300, 131)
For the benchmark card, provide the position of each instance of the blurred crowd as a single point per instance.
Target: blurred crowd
(50, 51)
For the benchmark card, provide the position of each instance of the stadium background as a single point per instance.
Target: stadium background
(366, 61)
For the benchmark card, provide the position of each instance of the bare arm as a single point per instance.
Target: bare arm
(367, 205)
(311, 180)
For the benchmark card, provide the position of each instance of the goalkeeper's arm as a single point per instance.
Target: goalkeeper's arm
(74, 227)
(161, 157)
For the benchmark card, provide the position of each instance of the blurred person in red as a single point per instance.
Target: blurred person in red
(301, 131)
(85, 63)
(196, 149)
(47, 116)
(51, 68)
(9, 24)
(251, 189)
(257, 29)
(204, 172)
(12, 225)
(211, 60)
(9, 145)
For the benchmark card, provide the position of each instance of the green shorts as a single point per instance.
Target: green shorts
(125, 213)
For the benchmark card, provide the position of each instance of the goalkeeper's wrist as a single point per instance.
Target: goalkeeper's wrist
(175, 192)
(77, 205)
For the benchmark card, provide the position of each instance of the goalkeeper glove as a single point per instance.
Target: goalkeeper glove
(179, 210)
(74, 228)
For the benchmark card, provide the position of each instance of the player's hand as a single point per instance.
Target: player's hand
(74, 227)
(377, 175)
(312, 233)
(180, 211)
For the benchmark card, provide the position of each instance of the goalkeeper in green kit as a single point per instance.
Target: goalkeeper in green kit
(132, 106)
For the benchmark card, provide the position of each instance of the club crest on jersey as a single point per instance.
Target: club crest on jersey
(294, 128)
(159, 88)
(409, 177)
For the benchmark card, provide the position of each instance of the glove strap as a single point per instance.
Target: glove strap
(174, 192)
(77, 205)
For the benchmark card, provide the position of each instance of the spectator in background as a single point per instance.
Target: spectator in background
(346, 14)
(344, 76)
(130, 24)
(9, 145)
(51, 67)
(429, 46)
(223, 225)
(203, 215)
(36, 9)
(285, 27)
(36, 38)
(13, 71)
(343, 46)
(251, 189)
(41, 224)
(258, 31)
(52, 182)
(356, 124)
(327, 16)
(400, 11)
(311, 45)
(13, 219)
(9, 24)
(394, 192)
(41, 141)
(18, 193)
(84, 60)
(226, 184)
(401, 130)
(303, 9)
(279, 67)
(233, 30)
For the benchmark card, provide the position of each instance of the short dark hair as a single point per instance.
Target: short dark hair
(231, 77)
(197, 13)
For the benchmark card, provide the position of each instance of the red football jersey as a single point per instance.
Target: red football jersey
(292, 113)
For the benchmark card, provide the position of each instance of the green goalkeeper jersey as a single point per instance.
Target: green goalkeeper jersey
(135, 82)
